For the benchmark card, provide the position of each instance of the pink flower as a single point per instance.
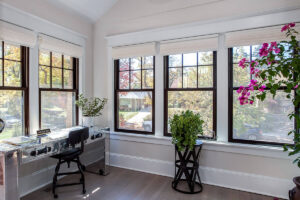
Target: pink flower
(265, 45)
(251, 102)
(264, 50)
(242, 63)
(296, 86)
(240, 89)
(273, 44)
(253, 82)
(284, 28)
(287, 26)
(262, 88)
(277, 50)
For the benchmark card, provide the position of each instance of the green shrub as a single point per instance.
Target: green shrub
(185, 129)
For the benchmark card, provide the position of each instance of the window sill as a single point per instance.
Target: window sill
(218, 146)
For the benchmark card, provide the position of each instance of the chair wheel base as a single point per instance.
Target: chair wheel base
(83, 191)
(55, 196)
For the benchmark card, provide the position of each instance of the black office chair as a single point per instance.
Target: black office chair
(72, 155)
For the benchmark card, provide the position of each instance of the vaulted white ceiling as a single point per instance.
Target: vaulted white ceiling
(91, 9)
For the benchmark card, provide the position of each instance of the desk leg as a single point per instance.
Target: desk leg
(9, 176)
(104, 168)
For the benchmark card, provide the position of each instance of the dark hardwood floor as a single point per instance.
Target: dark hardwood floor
(123, 184)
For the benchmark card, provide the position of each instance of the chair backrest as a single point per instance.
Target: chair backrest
(78, 136)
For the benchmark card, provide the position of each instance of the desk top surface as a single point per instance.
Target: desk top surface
(20, 142)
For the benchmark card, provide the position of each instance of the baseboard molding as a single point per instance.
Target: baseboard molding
(254, 183)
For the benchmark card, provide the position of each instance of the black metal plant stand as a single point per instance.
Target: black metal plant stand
(188, 165)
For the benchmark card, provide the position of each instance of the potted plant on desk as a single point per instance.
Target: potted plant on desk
(278, 67)
(186, 128)
(91, 108)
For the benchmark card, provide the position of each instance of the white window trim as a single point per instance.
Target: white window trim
(190, 30)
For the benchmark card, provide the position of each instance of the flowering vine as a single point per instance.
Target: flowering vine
(277, 67)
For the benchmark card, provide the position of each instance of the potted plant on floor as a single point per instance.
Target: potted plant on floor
(186, 128)
(91, 108)
(278, 66)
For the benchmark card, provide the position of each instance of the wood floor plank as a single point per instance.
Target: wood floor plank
(123, 184)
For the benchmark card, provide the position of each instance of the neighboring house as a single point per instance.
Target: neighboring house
(133, 101)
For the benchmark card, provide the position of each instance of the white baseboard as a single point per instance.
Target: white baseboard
(254, 183)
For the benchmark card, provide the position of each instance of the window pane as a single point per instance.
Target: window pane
(12, 52)
(190, 77)
(56, 60)
(241, 52)
(135, 111)
(148, 62)
(136, 63)
(148, 78)
(68, 62)
(175, 60)
(196, 101)
(263, 121)
(135, 78)
(68, 79)
(57, 109)
(205, 58)
(1, 50)
(44, 77)
(240, 76)
(124, 64)
(56, 78)
(1, 73)
(12, 112)
(12, 73)
(124, 80)
(190, 59)
(44, 57)
(175, 77)
(255, 51)
(205, 74)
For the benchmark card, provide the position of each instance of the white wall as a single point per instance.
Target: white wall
(265, 170)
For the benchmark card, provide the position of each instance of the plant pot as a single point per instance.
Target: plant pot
(294, 194)
(88, 122)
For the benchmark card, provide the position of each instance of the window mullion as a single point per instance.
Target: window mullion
(2, 62)
(50, 69)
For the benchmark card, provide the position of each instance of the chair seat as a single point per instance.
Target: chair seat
(68, 155)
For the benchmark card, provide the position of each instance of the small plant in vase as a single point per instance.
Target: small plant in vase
(91, 108)
(185, 129)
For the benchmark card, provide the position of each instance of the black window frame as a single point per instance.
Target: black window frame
(117, 90)
(231, 89)
(213, 89)
(75, 69)
(24, 63)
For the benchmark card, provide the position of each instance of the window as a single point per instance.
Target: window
(263, 122)
(58, 83)
(190, 83)
(134, 95)
(14, 89)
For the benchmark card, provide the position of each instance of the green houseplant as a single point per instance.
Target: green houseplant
(185, 129)
(91, 108)
(277, 67)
